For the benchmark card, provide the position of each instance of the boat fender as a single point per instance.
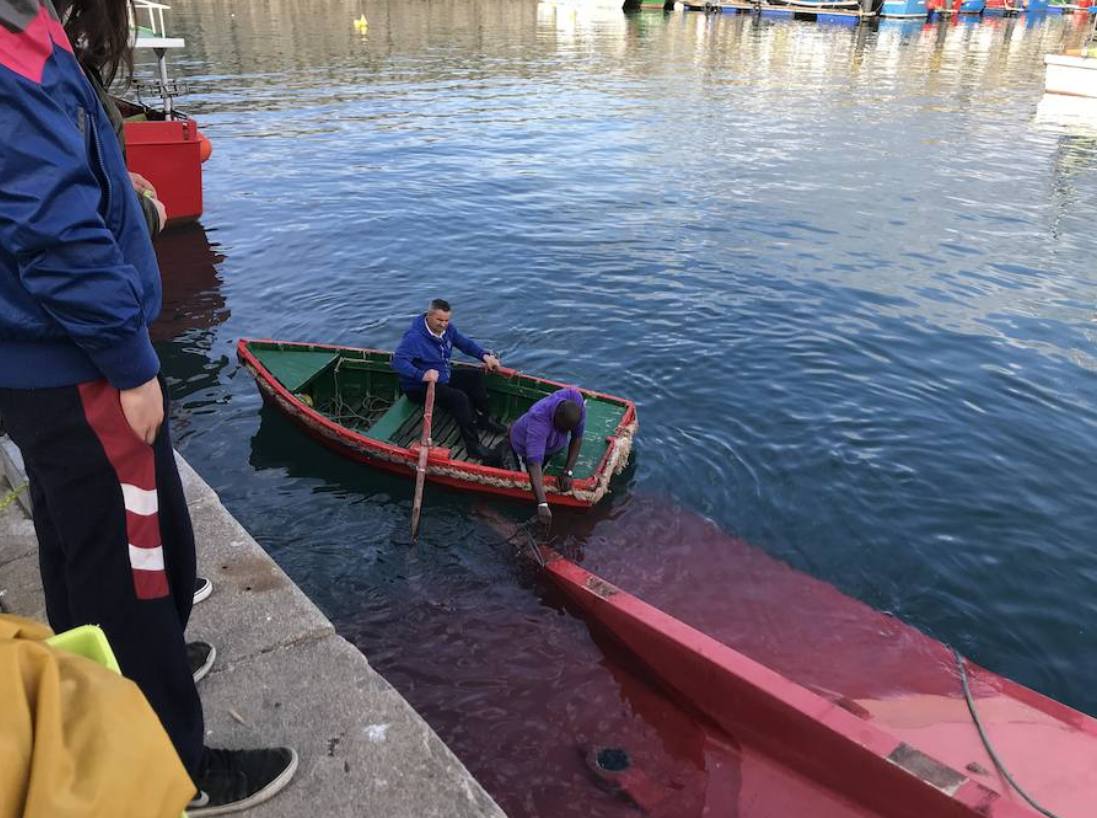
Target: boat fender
(205, 147)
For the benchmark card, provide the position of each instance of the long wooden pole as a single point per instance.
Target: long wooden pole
(421, 468)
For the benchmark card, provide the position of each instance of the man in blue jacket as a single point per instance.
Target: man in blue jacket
(423, 356)
(80, 391)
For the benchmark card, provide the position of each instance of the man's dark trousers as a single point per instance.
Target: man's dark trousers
(465, 396)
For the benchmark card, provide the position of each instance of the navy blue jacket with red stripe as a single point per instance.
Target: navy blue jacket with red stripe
(79, 283)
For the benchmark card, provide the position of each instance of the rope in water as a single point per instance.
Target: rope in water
(11, 496)
(986, 740)
(531, 542)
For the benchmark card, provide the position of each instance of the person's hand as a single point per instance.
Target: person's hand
(564, 483)
(145, 188)
(491, 363)
(430, 376)
(141, 185)
(143, 407)
(161, 211)
(544, 516)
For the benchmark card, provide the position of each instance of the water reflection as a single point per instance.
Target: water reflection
(193, 307)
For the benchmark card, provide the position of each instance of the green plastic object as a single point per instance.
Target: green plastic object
(90, 642)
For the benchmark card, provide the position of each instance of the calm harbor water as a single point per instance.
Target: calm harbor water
(846, 272)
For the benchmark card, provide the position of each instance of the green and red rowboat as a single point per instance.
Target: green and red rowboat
(349, 400)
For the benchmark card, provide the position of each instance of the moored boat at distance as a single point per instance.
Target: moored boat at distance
(1011, 7)
(1072, 7)
(948, 7)
(904, 8)
(857, 9)
(972, 7)
(163, 144)
(349, 400)
(1071, 75)
(822, 7)
(1074, 72)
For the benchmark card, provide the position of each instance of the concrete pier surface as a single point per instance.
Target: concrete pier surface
(282, 676)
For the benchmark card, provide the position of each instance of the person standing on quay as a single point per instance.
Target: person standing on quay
(80, 391)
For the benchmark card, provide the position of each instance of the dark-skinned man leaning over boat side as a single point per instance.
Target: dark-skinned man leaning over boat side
(423, 356)
(540, 434)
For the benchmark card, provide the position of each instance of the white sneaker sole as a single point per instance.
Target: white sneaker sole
(204, 669)
(203, 592)
(268, 792)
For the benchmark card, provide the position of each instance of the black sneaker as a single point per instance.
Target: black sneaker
(476, 451)
(202, 589)
(201, 656)
(234, 780)
(489, 424)
(496, 455)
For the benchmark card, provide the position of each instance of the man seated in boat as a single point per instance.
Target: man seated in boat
(539, 435)
(423, 356)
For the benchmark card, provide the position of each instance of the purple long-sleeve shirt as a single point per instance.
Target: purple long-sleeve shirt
(533, 436)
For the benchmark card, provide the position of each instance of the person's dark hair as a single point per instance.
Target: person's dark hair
(566, 416)
(440, 304)
(99, 31)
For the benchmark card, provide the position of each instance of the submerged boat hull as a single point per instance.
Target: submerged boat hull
(912, 752)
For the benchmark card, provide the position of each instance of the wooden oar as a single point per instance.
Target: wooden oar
(421, 468)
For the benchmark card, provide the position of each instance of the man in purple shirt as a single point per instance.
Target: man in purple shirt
(541, 433)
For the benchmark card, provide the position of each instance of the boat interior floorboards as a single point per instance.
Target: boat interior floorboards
(444, 434)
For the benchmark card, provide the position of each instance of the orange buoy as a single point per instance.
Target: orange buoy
(205, 147)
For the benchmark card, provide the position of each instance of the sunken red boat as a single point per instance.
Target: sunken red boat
(852, 714)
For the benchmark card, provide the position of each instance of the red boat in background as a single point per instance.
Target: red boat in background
(163, 144)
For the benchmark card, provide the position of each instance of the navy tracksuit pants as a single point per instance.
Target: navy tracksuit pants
(116, 547)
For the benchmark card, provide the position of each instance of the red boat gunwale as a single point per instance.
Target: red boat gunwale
(400, 460)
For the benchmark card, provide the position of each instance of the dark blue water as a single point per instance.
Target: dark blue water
(846, 273)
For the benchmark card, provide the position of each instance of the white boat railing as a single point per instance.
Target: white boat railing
(155, 36)
(156, 16)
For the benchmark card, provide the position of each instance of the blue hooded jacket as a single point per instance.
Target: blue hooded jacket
(419, 351)
(79, 283)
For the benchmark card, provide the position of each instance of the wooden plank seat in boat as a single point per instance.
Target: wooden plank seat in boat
(402, 424)
(394, 419)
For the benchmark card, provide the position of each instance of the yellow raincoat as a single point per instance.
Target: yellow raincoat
(76, 739)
